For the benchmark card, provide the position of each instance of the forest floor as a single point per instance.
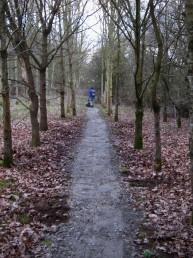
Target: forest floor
(60, 201)
(103, 223)
(165, 198)
(34, 191)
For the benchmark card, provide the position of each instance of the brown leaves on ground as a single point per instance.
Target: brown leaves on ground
(166, 197)
(34, 191)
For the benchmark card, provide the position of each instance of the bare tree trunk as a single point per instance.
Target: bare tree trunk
(135, 34)
(17, 75)
(105, 93)
(69, 100)
(138, 143)
(73, 102)
(72, 87)
(109, 83)
(43, 105)
(22, 51)
(166, 67)
(116, 118)
(102, 73)
(34, 101)
(103, 64)
(178, 118)
(189, 25)
(109, 66)
(155, 81)
(46, 15)
(157, 157)
(62, 104)
(7, 135)
(102, 82)
(70, 43)
(165, 113)
(62, 87)
(42, 71)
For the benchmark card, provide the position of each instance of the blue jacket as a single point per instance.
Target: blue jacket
(91, 93)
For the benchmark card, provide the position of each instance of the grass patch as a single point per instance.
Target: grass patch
(24, 218)
(47, 242)
(148, 254)
(123, 170)
(4, 184)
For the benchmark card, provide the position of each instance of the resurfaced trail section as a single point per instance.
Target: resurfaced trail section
(101, 225)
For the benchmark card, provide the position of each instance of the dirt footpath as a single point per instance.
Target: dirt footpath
(102, 223)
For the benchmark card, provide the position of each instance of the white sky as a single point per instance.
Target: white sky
(92, 24)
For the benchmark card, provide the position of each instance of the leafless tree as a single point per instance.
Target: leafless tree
(7, 138)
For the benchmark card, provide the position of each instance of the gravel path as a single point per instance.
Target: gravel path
(101, 225)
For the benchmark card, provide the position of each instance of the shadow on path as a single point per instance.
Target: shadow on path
(102, 225)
